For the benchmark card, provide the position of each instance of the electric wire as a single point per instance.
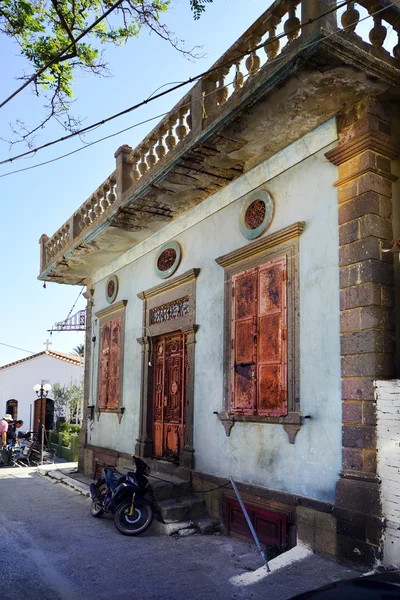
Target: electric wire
(278, 58)
(153, 97)
(60, 54)
(16, 348)
(70, 312)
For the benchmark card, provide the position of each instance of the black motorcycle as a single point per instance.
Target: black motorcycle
(123, 496)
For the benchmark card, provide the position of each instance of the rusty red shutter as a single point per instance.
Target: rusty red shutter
(115, 361)
(272, 344)
(105, 332)
(244, 353)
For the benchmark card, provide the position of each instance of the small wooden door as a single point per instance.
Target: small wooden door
(43, 413)
(170, 376)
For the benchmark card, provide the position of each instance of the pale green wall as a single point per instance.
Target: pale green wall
(257, 453)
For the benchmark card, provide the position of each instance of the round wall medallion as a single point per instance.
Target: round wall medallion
(256, 214)
(111, 288)
(167, 259)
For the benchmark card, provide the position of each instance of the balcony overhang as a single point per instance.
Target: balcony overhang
(276, 106)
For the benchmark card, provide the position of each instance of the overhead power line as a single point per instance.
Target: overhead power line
(173, 88)
(16, 348)
(278, 58)
(61, 53)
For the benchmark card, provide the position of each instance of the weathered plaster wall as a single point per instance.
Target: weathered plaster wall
(301, 181)
(387, 396)
(17, 382)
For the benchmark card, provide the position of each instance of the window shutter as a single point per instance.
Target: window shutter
(244, 352)
(114, 365)
(272, 343)
(105, 337)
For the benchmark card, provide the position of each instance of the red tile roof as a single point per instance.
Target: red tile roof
(70, 358)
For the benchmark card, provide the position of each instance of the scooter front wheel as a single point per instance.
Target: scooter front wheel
(96, 506)
(136, 523)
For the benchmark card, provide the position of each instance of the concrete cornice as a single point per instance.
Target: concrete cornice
(170, 284)
(274, 239)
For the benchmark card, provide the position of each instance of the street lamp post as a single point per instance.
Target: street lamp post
(42, 390)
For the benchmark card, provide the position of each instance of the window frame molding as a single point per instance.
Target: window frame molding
(105, 316)
(284, 242)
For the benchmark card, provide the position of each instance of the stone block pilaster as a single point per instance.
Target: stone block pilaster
(363, 156)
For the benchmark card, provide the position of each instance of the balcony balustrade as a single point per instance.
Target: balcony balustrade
(287, 27)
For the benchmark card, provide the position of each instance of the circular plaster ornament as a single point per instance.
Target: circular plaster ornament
(167, 259)
(111, 288)
(256, 214)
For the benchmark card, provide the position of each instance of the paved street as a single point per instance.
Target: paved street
(52, 549)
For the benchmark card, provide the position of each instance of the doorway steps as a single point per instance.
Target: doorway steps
(178, 511)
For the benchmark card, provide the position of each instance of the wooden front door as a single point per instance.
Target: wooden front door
(170, 376)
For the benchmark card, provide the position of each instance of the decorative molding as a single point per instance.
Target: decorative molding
(389, 176)
(274, 239)
(111, 309)
(292, 418)
(170, 311)
(112, 287)
(292, 430)
(227, 425)
(191, 329)
(117, 411)
(169, 285)
(372, 140)
(175, 253)
(263, 216)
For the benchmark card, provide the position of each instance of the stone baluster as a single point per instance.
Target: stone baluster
(160, 148)
(87, 215)
(151, 157)
(92, 204)
(253, 61)
(292, 25)
(104, 202)
(378, 33)
(189, 118)
(135, 173)
(81, 219)
(272, 45)
(222, 90)
(112, 194)
(350, 18)
(396, 49)
(170, 140)
(97, 209)
(143, 166)
(239, 77)
(181, 129)
(209, 100)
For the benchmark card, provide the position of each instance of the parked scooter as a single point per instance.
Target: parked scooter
(123, 496)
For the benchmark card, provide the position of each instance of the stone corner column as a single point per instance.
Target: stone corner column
(123, 168)
(86, 387)
(363, 157)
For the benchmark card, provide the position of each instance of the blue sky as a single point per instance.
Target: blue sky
(40, 200)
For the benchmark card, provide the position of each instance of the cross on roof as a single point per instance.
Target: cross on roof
(47, 343)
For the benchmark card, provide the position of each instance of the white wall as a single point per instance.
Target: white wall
(17, 382)
(387, 396)
(301, 182)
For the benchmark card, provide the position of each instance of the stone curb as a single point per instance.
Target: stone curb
(59, 477)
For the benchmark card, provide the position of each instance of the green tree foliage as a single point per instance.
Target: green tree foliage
(79, 350)
(68, 401)
(43, 28)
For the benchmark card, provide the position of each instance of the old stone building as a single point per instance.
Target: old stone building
(240, 306)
